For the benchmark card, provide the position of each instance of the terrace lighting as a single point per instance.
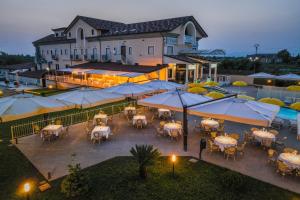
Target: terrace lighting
(173, 159)
(269, 81)
(50, 86)
(27, 188)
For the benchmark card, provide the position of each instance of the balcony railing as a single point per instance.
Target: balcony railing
(171, 40)
(54, 57)
(189, 39)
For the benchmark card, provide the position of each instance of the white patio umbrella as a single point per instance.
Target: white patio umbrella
(163, 85)
(25, 105)
(129, 89)
(171, 100)
(85, 97)
(290, 76)
(262, 75)
(238, 110)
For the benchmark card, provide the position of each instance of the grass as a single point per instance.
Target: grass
(118, 178)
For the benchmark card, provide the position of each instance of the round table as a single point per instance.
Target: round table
(225, 142)
(168, 127)
(210, 123)
(141, 117)
(161, 112)
(262, 135)
(290, 159)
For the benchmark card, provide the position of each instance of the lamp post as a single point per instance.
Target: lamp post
(27, 188)
(173, 159)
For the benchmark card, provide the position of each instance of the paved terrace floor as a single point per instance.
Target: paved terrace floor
(55, 156)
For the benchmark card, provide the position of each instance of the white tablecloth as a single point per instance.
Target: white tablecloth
(161, 112)
(261, 134)
(290, 159)
(168, 127)
(142, 117)
(225, 142)
(103, 118)
(210, 123)
(103, 131)
(53, 129)
(126, 109)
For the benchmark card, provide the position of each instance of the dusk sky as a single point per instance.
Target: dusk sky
(232, 25)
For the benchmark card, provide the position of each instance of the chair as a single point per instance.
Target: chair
(58, 122)
(277, 123)
(234, 136)
(65, 131)
(272, 156)
(279, 143)
(98, 121)
(46, 136)
(139, 123)
(129, 120)
(114, 130)
(87, 132)
(151, 120)
(96, 137)
(241, 148)
(283, 169)
(266, 143)
(174, 134)
(290, 150)
(254, 129)
(248, 137)
(110, 119)
(213, 147)
(36, 129)
(213, 135)
(160, 132)
(162, 123)
(166, 115)
(230, 152)
(179, 122)
(274, 132)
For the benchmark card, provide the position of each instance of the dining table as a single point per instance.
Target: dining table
(103, 131)
(210, 123)
(101, 116)
(224, 142)
(168, 127)
(292, 160)
(129, 108)
(53, 129)
(139, 117)
(260, 135)
(161, 112)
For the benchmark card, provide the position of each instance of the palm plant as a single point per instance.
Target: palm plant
(146, 156)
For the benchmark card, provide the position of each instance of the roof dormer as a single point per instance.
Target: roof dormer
(59, 32)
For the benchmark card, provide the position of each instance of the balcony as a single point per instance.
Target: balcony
(189, 39)
(171, 40)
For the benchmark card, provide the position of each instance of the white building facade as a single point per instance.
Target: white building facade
(149, 43)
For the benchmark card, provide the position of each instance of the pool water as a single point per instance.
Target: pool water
(286, 113)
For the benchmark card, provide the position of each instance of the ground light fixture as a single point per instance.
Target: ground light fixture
(27, 188)
(173, 159)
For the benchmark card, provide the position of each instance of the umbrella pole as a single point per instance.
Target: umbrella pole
(185, 128)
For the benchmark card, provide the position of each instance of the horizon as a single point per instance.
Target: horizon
(275, 26)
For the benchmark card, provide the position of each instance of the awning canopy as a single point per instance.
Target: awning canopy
(172, 100)
(86, 97)
(130, 89)
(238, 110)
(293, 77)
(163, 85)
(25, 105)
(262, 75)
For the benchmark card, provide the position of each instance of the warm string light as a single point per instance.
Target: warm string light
(27, 187)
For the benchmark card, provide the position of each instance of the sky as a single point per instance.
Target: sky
(232, 25)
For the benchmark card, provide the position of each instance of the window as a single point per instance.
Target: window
(51, 52)
(55, 52)
(42, 52)
(81, 51)
(130, 50)
(81, 34)
(56, 34)
(170, 73)
(47, 51)
(67, 66)
(66, 51)
(170, 50)
(62, 34)
(57, 66)
(150, 50)
(61, 52)
(69, 34)
(92, 31)
(115, 51)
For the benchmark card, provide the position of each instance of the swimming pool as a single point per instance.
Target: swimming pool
(287, 113)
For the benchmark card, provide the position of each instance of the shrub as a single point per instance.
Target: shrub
(232, 181)
(273, 101)
(211, 83)
(76, 184)
(239, 83)
(215, 95)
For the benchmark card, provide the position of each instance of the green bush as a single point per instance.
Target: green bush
(76, 184)
(232, 181)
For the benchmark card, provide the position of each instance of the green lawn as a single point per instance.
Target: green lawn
(117, 179)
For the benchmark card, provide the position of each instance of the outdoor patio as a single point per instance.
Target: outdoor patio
(55, 156)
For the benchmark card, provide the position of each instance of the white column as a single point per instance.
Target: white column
(216, 73)
(209, 70)
(201, 70)
(186, 74)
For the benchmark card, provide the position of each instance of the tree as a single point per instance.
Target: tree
(146, 156)
(76, 184)
(284, 55)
